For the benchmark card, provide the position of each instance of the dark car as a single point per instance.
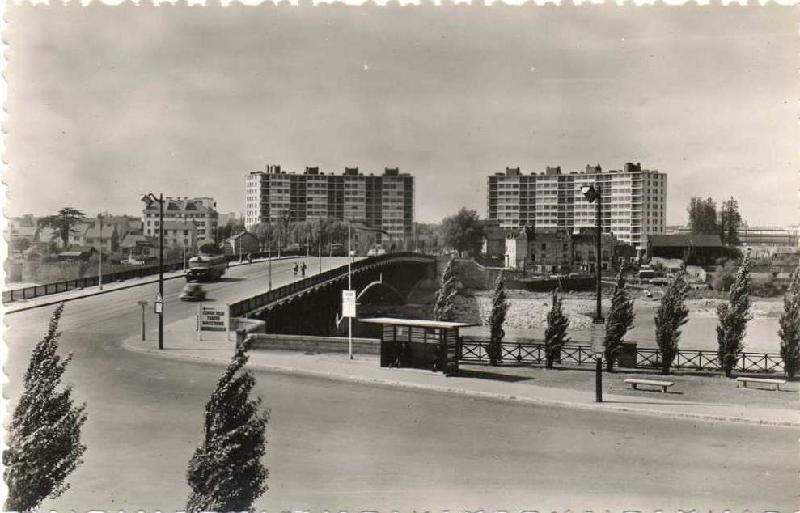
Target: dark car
(193, 292)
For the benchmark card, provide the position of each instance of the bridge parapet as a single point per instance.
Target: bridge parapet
(247, 306)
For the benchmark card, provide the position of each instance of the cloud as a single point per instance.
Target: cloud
(109, 102)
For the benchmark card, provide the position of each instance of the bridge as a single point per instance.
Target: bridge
(311, 306)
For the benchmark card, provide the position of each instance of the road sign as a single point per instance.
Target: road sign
(348, 303)
(212, 319)
(158, 305)
(598, 334)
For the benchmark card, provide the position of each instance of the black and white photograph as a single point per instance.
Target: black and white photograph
(397, 257)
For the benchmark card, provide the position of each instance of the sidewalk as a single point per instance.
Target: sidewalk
(181, 343)
(71, 295)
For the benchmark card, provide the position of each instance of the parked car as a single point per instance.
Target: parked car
(193, 292)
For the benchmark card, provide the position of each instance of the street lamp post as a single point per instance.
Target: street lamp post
(159, 306)
(100, 256)
(592, 193)
(269, 256)
(349, 287)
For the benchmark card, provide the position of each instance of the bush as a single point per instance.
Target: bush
(44, 444)
(555, 335)
(733, 318)
(672, 313)
(498, 317)
(225, 472)
(790, 327)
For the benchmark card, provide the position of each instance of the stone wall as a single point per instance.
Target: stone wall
(313, 344)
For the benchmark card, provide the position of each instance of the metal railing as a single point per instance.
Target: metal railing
(646, 358)
(9, 296)
(706, 360)
(246, 306)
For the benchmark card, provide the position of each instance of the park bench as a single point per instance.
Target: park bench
(653, 382)
(764, 381)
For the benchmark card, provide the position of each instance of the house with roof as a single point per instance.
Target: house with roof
(102, 237)
(241, 244)
(77, 234)
(136, 247)
(698, 249)
(77, 253)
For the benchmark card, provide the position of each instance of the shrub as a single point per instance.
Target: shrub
(733, 318)
(672, 313)
(555, 335)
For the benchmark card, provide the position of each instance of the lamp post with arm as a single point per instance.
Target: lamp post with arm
(592, 193)
(159, 305)
(100, 253)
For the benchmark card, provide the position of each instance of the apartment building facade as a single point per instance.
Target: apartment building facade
(633, 200)
(200, 212)
(385, 201)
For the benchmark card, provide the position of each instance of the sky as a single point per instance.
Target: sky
(106, 103)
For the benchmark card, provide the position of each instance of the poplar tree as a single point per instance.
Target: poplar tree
(790, 327)
(555, 335)
(225, 472)
(620, 320)
(44, 435)
(498, 317)
(733, 317)
(672, 313)
(444, 308)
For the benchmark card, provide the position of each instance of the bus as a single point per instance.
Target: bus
(206, 268)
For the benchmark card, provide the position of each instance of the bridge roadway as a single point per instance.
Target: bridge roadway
(353, 447)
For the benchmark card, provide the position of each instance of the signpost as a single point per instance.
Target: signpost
(349, 311)
(158, 305)
(143, 304)
(212, 319)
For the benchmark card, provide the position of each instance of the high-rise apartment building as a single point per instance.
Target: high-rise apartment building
(380, 201)
(633, 200)
(199, 212)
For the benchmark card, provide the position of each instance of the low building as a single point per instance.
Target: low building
(102, 237)
(560, 251)
(494, 238)
(241, 244)
(137, 248)
(584, 251)
(77, 253)
(694, 249)
(77, 234)
(551, 251)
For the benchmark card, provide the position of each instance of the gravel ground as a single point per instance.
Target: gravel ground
(695, 388)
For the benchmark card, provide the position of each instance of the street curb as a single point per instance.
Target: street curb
(99, 292)
(464, 392)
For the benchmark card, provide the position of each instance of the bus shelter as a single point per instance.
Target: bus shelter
(422, 344)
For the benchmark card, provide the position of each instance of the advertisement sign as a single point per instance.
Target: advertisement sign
(348, 303)
(212, 319)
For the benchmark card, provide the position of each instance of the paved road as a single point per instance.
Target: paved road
(354, 447)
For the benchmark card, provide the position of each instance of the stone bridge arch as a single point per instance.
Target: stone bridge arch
(381, 290)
